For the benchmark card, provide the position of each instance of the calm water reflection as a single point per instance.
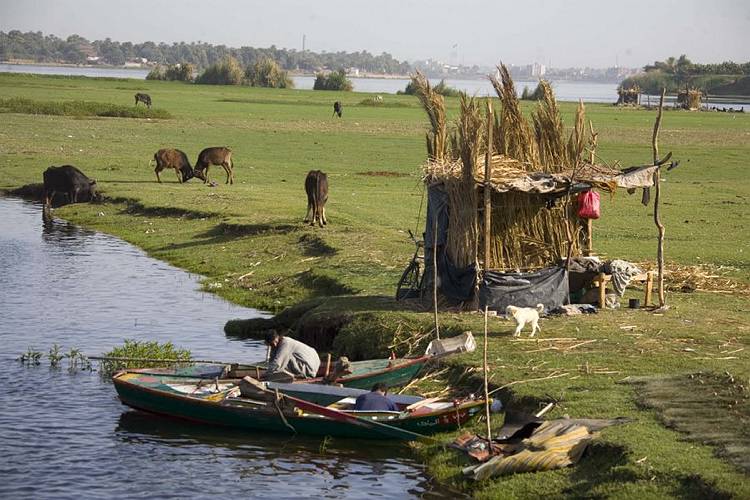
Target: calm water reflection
(64, 435)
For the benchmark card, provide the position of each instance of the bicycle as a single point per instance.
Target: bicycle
(410, 284)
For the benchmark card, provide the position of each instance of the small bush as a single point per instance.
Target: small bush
(174, 72)
(78, 108)
(267, 73)
(226, 72)
(336, 80)
(441, 88)
(527, 95)
(134, 349)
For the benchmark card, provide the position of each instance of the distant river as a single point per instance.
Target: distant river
(66, 435)
(564, 90)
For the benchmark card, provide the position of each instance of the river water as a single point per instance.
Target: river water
(65, 435)
(564, 90)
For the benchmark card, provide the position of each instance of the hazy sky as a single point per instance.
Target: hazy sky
(596, 33)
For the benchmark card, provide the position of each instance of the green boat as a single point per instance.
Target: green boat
(249, 404)
(393, 372)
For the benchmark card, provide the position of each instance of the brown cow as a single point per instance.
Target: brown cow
(176, 159)
(214, 156)
(316, 186)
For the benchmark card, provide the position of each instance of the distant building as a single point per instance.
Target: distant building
(538, 70)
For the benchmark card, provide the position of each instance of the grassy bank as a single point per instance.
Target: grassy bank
(249, 242)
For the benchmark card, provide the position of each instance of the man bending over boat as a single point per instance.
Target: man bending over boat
(291, 357)
(375, 400)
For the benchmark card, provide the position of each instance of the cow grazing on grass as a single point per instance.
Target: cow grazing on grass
(338, 108)
(144, 98)
(214, 156)
(69, 181)
(316, 186)
(176, 159)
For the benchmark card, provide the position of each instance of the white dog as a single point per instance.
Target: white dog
(524, 315)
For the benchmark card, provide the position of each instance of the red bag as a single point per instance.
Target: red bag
(588, 205)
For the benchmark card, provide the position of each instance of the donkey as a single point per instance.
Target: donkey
(144, 98)
(176, 159)
(316, 187)
(338, 108)
(214, 156)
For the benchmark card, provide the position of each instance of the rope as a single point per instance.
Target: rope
(281, 413)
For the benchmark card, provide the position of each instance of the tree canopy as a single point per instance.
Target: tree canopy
(35, 46)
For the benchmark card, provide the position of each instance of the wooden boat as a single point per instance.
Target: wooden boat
(359, 375)
(249, 404)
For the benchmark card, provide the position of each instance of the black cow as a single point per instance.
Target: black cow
(337, 108)
(144, 98)
(316, 186)
(70, 181)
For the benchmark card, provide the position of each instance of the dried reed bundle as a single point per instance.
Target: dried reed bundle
(548, 131)
(512, 135)
(434, 105)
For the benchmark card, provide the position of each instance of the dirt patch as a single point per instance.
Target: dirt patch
(709, 408)
(382, 173)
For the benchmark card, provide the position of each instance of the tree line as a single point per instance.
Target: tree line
(35, 46)
(676, 74)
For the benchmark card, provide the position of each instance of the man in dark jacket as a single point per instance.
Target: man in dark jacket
(375, 400)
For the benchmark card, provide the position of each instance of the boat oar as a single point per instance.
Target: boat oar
(340, 416)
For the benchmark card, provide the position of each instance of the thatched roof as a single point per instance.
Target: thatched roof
(509, 174)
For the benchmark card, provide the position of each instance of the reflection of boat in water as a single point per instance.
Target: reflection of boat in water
(248, 404)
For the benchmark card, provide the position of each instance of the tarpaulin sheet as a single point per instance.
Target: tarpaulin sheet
(454, 283)
(548, 286)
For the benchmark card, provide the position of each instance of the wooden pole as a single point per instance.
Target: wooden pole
(590, 222)
(434, 276)
(487, 227)
(488, 188)
(486, 377)
(657, 196)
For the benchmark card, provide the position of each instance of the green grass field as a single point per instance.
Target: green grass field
(372, 155)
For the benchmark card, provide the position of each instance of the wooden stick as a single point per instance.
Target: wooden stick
(328, 364)
(657, 196)
(486, 376)
(434, 276)
(488, 188)
(544, 410)
(157, 360)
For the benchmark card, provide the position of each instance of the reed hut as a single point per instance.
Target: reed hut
(690, 99)
(629, 96)
(537, 167)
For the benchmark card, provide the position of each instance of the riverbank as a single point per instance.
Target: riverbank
(249, 243)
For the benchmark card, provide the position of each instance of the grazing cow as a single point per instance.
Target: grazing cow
(144, 98)
(316, 186)
(337, 108)
(176, 159)
(214, 156)
(70, 181)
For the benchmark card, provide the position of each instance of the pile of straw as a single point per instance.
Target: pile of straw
(526, 233)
